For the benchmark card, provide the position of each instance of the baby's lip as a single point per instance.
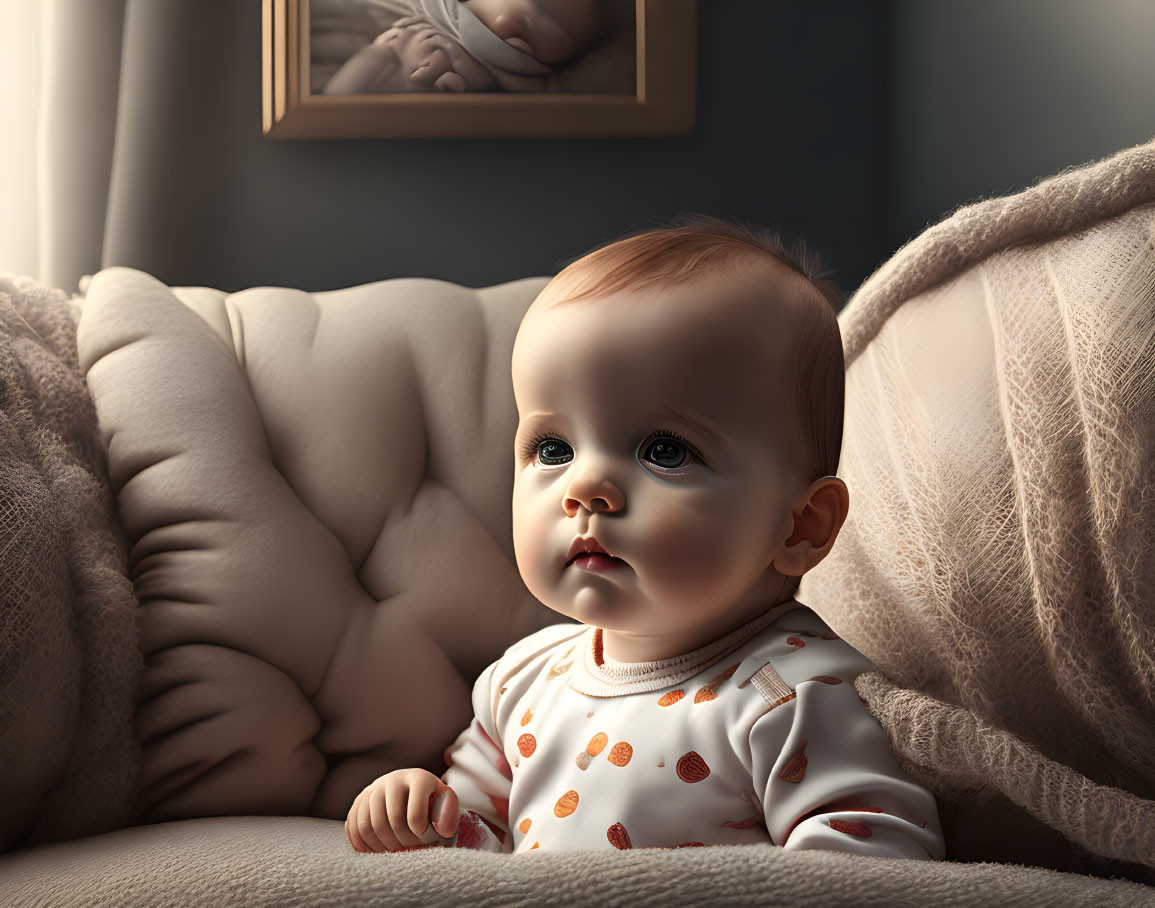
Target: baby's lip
(586, 545)
(520, 43)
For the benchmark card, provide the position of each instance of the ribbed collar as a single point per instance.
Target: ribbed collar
(611, 678)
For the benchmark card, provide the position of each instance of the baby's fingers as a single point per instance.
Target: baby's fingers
(351, 830)
(445, 811)
(421, 787)
(372, 822)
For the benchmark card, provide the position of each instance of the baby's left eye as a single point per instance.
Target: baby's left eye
(667, 452)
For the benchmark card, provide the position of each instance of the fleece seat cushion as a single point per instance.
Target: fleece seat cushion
(315, 491)
(243, 862)
(998, 562)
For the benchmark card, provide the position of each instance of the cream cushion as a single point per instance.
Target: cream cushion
(316, 492)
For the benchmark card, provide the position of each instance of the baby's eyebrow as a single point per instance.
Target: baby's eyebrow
(698, 424)
(533, 420)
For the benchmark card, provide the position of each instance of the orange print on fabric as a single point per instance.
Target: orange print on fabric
(533, 846)
(618, 837)
(620, 753)
(528, 715)
(525, 824)
(710, 691)
(691, 767)
(671, 698)
(597, 743)
(851, 827)
(527, 744)
(795, 768)
(566, 804)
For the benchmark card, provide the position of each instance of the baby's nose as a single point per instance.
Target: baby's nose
(594, 493)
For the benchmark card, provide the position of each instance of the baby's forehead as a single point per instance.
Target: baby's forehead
(693, 348)
(756, 323)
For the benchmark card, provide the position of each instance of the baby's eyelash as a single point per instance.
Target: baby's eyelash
(665, 433)
(528, 450)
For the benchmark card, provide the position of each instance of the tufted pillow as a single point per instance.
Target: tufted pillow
(998, 562)
(316, 492)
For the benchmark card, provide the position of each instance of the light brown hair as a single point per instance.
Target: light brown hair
(694, 246)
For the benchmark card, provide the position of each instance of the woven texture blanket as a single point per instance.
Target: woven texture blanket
(68, 657)
(998, 563)
(229, 862)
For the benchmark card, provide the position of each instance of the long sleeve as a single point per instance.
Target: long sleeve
(481, 776)
(828, 779)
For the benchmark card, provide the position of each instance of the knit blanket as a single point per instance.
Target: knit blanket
(997, 563)
(68, 656)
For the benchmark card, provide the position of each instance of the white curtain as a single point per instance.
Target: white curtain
(59, 89)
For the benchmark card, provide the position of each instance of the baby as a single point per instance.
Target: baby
(680, 397)
(473, 45)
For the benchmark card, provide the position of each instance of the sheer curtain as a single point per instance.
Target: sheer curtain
(59, 88)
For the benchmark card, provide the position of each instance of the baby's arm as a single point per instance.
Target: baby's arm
(829, 781)
(467, 808)
(481, 775)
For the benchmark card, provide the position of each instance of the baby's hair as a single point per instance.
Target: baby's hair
(694, 246)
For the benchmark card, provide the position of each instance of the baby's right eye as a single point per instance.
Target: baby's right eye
(549, 449)
(553, 451)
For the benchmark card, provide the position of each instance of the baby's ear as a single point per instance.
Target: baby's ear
(813, 526)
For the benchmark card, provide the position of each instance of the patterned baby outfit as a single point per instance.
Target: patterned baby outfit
(759, 736)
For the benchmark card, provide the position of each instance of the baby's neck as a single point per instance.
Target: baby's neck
(619, 647)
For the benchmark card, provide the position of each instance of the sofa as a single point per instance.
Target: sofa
(245, 569)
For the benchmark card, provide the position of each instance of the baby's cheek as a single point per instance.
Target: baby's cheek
(530, 537)
(692, 542)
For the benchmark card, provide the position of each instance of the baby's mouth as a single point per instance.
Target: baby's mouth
(596, 561)
(520, 44)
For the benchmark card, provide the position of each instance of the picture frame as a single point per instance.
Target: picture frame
(661, 103)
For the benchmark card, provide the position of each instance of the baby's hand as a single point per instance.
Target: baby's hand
(393, 812)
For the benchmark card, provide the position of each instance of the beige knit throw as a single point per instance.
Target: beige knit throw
(998, 562)
(68, 657)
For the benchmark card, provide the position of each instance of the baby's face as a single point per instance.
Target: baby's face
(662, 427)
(552, 31)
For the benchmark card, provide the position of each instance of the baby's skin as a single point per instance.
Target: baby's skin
(663, 423)
(412, 56)
(552, 31)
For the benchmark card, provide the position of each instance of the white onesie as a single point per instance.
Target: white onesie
(759, 736)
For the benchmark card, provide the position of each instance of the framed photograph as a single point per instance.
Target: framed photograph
(443, 68)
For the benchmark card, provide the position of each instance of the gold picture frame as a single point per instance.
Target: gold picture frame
(662, 104)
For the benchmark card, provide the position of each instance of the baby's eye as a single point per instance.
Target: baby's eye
(554, 451)
(667, 452)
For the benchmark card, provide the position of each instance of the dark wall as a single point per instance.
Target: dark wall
(851, 124)
(789, 135)
(989, 96)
